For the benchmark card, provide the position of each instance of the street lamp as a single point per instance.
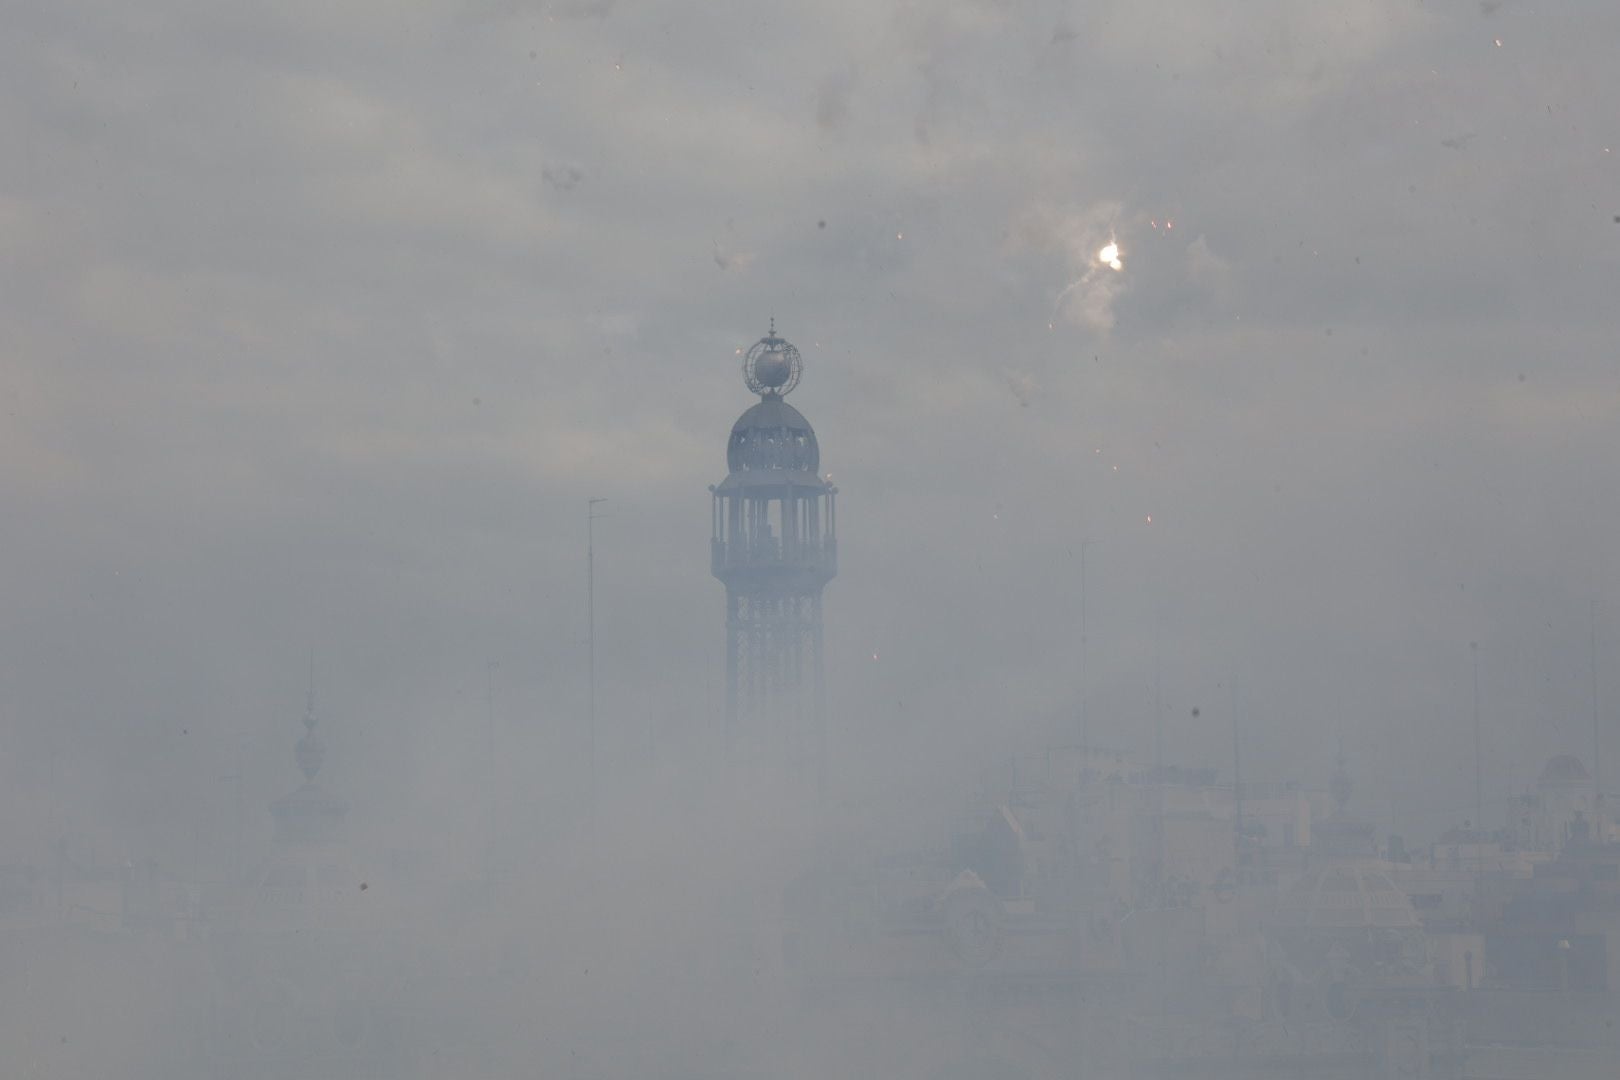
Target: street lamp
(591, 517)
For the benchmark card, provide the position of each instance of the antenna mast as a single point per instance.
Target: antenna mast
(590, 637)
(1597, 723)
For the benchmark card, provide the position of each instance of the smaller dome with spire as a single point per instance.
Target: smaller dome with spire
(308, 814)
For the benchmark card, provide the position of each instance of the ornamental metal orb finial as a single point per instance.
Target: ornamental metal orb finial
(772, 366)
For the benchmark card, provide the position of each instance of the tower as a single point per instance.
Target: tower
(309, 815)
(308, 876)
(775, 547)
(298, 990)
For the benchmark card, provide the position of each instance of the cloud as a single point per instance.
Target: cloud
(563, 177)
(1208, 271)
(732, 260)
(832, 100)
(318, 324)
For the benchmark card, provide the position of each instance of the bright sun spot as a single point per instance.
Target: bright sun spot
(1109, 256)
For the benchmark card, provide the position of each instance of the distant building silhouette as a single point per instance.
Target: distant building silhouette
(310, 869)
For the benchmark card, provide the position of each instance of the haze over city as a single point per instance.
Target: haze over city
(321, 324)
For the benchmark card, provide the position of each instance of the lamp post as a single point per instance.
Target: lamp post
(1597, 733)
(493, 824)
(1084, 685)
(590, 638)
(1479, 768)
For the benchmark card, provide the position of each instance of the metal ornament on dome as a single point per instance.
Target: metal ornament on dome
(772, 366)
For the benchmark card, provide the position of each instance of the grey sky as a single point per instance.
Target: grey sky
(319, 323)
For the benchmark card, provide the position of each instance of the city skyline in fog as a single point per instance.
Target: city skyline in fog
(321, 326)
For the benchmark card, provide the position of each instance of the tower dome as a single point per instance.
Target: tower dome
(773, 436)
(772, 442)
(1344, 925)
(1346, 897)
